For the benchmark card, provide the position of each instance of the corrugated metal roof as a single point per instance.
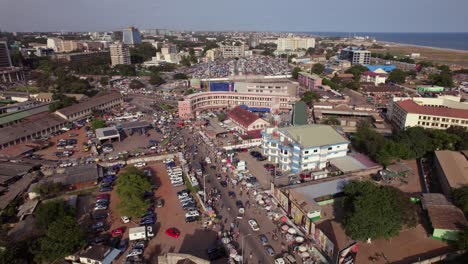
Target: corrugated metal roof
(314, 135)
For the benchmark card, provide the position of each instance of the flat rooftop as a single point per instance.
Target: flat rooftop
(314, 135)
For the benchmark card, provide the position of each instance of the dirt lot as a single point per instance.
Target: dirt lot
(48, 153)
(412, 183)
(439, 56)
(409, 246)
(135, 142)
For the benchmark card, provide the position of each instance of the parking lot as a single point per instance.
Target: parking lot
(49, 153)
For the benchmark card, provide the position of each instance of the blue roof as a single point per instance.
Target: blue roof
(259, 109)
(387, 68)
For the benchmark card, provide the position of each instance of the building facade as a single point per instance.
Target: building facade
(131, 36)
(302, 148)
(120, 54)
(245, 120)
(295, 43)
(373, 77)
(5, 59)
(232, 51)
(356, 55)
(311, 81)
(437, 113)
(213, 54)
(85, 108)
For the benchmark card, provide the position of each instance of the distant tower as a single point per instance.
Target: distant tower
(5, 59)
(131, 36)
(120, 54)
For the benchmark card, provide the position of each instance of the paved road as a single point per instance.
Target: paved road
(252, 243)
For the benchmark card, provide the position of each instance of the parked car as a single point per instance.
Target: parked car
(191, 219)
(172, 232)
(192, 213)
(270, 251)
(125, 219)
(263, 239)
(159, 203)
(135, 252)
(140, 165)
(123, 245)
(118, 231)
(100, 207)
(253, 224)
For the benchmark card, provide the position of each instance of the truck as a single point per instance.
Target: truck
(140, 233)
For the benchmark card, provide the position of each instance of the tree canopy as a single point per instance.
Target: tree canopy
(61, 101)
(356, 71)
(397, 76)
(142, 52)
(318, 68)
(376, 212)
(295, 72)
(136, 84)
(460, 197)
(131, 186)
(180, 76)
(63, 237)
(156, 79)
(98, 123)
(309, 98)
(48, 212)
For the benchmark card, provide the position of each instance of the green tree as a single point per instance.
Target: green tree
(397, 76)
(443, 79)
(210, 45)
(295, 72)
(376, 212)
(142, 52)
(131, 185)
(310, 51)
(61, 101)
(309, 98)
(63, 237)
(462, 134)
(156, 79)
(49, 212)
(356, 71)
(221, 117)
(104, 81)
(98, 123)
(48, 189)
(124, 69)
(180, 76)
(136, 84)
(318, 68)
(462, 242)
(185, 61)
(460, 197)
(332, 120)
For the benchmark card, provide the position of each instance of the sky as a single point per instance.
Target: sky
(236, 15)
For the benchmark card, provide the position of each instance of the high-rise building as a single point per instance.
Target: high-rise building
(295, 43)
(120, 54)
(5, 60)
(356, 55)
(254, 40)
(232, 51)
(131, 36)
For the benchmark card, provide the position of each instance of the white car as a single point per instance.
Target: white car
(192, 214)
(100, 207)
(140, 164)
(183, 195)
(125, 219)
(254, 225)
(135, 252)
(208, 160)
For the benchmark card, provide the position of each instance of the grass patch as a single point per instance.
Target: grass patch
(188, 184)
(86, 191)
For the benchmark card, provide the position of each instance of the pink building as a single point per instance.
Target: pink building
(311, 81)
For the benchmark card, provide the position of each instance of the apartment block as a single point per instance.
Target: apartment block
(120, 54)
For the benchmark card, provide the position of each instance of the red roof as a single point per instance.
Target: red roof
(369, 73)
(411, 107)
(253, 134)
(242, 116)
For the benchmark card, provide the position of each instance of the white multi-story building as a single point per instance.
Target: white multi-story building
(302, 148)
(213, 54)
(356, 55)
(120, 54)
(295, 43)
(437, 113)
(232, 51)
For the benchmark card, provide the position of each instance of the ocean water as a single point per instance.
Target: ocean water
(457, 41)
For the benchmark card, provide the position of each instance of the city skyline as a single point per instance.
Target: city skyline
(210, 15)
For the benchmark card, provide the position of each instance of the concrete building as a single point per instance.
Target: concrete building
(452, 169)
(375, 78)
(213, 54)
(78, 56)
(11, 75)
(437, 113)
(311, 81)
(5, 59)
(120, 54)
(98, 254)
(60, 45)
(131, 36)
(245, 120)
(295, 43)
(82, 110)
(302, 148)
(232, 51)
(258, 95)
(356, 55)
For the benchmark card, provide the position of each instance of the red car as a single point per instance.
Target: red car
(117, 231)
(172, 232)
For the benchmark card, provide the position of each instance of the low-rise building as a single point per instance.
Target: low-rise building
(452, 169)
(302, 148)
(103, 102)
(98, 254)
(245, 120)
(79, 56)
(76, 177)
(373, 77)
(311, 81)
(438, 113)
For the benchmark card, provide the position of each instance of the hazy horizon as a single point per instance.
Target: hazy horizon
(360, 16)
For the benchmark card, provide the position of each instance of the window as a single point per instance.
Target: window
(306, 152)
(330, 148)
(315, 151)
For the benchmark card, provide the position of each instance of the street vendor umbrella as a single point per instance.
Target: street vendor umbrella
(225, 240)
(259, 197)
(292, 231)
(238, 258)
(299, 239)
(289, 237)
(302, 249)
(232, 253)
(285, 227)
(305, 255)
(223, 160)
(261, 202)
(284, 219)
